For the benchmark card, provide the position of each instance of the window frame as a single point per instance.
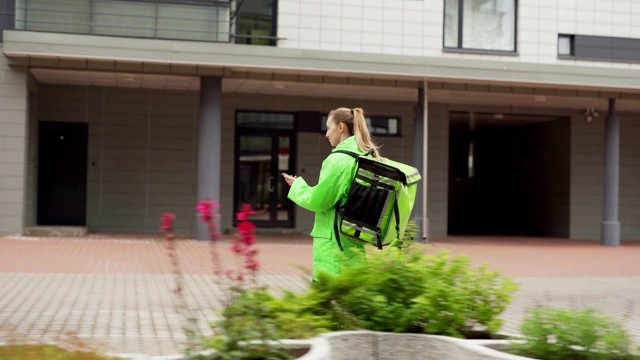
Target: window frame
(461, 49)
(270, 40)
(572, 46)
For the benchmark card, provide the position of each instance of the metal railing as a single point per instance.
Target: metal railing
(157, 19)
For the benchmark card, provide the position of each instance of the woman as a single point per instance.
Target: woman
(346, 130)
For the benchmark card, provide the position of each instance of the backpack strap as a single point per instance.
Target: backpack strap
(336, 230)
(350, 153)
(335, 224)
(396, 212)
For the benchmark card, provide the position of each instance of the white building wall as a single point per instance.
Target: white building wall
(13, 148)
(415, 27)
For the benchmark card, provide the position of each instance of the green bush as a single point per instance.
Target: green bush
(301, 316)
(564, 334)
(246, 328)
(403, 291)
(254, 316)
(410, 291)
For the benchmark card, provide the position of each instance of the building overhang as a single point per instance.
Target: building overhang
(263, 69)
(33, 49)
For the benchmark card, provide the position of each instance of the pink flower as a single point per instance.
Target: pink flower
(232, 275)
(166, 221)
(251, 252)
(246, 227)
(245, 212)
(213, 231)
(206, 210)
(251, 263)
(243, 244)
(238, 248)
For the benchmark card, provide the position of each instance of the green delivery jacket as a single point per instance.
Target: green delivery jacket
(333, 184)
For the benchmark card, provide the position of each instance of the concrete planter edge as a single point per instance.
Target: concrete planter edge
(365, 345)
(370, 345)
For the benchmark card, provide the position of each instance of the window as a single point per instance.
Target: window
(256, 22)
(480, 25)
(565, 45)
(202, 20)
(378, 125)
(264, 120)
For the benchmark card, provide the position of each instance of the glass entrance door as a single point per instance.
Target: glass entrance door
(262, 155)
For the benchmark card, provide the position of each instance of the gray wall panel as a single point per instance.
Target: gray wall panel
(626, 54)
(606, 48)
(621, 43)
(138, 167)
(587, 177)
(16, 189)
(629, 211)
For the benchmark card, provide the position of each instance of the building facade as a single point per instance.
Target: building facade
(523, 115)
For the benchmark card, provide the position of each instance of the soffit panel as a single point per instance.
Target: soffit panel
(458, 94)
(229, 85)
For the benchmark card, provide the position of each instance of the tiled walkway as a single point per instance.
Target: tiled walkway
(114, 291)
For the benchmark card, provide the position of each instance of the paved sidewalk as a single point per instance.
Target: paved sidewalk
(114, 291)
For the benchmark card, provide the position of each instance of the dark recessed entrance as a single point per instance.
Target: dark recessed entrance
(508, 174)
(62, 173)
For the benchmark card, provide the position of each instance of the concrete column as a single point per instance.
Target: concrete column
(209, 147)
(420, 142)
(610, 233)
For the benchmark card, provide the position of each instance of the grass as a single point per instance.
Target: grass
(67, 347)
(50, 352)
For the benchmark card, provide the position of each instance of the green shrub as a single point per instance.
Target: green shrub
(410, 291)
(247, 324)
(403, 291)
(302, 316)
(564, 334)
(254, 316)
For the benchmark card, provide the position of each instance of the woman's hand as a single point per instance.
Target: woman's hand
(289, 178)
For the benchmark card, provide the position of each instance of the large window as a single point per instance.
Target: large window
(480, 25)
(202, 20)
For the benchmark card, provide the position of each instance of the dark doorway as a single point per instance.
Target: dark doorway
(62, 173)
(264, 150)
(508, 174)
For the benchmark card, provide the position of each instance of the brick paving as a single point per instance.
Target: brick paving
(114, 291)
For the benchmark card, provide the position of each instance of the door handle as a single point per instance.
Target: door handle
(270, 183)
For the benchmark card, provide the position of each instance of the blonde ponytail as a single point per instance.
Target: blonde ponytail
(356, 123)
(363, 137)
